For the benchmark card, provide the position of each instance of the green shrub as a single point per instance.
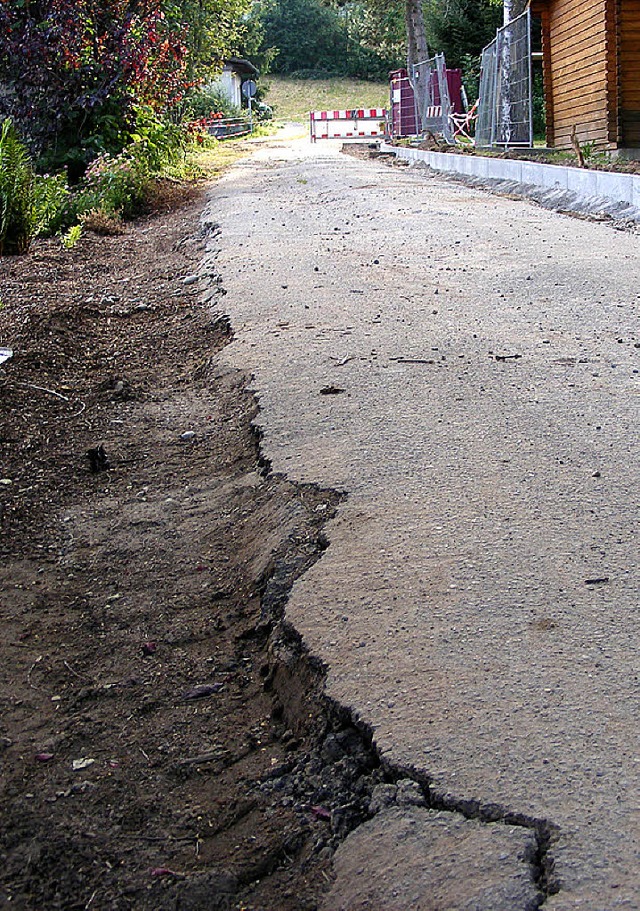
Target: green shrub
(30, 204)
(17, 179)
(51, 201)
(116, 186)
(157, 144)
(539, 109)
(113, 184)
(71, 238)
(210, 99)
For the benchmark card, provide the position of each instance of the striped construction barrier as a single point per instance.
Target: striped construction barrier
(358, 123)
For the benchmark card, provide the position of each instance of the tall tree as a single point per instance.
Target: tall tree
(417, 53)
(319, 35)
(461, 28)
(417, 49)
(513, 9)
(213, 30)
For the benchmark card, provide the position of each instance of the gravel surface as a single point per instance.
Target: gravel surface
(465, 368)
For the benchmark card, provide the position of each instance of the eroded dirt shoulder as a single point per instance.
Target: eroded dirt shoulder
(164, 740)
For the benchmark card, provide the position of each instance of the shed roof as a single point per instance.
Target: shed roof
(242, 66)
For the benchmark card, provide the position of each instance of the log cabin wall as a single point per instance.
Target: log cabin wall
(578, 71)
(580, 53)
(629, 49)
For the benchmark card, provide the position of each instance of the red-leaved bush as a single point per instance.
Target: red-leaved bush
(73, 72)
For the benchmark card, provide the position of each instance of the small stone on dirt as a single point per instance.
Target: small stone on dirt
(98, 460)
(203, 690)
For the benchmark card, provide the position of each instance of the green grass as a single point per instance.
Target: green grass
(219, 157)
(292, 99)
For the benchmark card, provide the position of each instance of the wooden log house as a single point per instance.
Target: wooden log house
(591, 60)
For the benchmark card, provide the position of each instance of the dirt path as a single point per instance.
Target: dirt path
(466, 368)
(164, 741)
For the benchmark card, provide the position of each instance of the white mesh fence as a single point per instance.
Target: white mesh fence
(505, 110)
(429, 81)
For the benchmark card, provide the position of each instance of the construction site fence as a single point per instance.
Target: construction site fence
(433, 102)
(354, 123)
(505, 111)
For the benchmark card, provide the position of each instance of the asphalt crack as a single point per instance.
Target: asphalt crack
(343, 777)
(336, 772)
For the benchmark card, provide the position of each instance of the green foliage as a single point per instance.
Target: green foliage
(71, 238)
(209, 99)
(309, 36)
(255, 42)
(306, 34)
(74, 71)
(539, 111)
(383, 29)
(117, 185)
(113, 184)
(51, 200)
(470, 66)
(213, 31)
(83, 78)
(156, 144)
(72, 148)
(370, 54)
(30, 204)
(461, 28)
(17, 178)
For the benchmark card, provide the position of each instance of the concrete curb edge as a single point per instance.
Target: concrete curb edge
(579, 190)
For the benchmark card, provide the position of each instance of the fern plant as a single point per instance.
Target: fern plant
(30, 205)
(17, 204)
(51, 202)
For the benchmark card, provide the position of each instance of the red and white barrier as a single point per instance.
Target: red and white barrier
(359, 123)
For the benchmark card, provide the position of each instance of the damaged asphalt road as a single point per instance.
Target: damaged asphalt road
(477, 605)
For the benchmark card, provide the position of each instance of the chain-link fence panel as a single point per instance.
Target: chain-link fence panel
(431, 87)
(505, 113)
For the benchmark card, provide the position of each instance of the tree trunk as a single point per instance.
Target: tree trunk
(417, 53)
(416, 33)
(514, 8)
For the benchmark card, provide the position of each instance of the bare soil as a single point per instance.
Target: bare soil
(164, 739)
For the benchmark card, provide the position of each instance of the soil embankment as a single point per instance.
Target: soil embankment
(165, 743)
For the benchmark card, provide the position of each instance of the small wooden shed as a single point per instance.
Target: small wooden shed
(229, 82)
(591, 59)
